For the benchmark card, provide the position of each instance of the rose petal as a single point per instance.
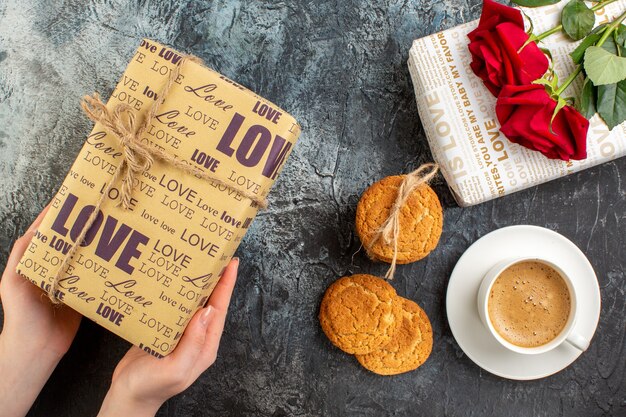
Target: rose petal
(494, 13)
(494, 46)
(525, 115)
(530, 63)
(578, 127)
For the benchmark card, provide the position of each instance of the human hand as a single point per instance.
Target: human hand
(29, 316)
(141, 383)
(35, 334)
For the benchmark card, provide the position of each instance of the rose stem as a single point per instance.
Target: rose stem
(558, 28)
(604, 37)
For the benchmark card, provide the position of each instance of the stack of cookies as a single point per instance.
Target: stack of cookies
(362, 315)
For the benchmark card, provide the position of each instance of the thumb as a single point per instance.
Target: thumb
(192, 341)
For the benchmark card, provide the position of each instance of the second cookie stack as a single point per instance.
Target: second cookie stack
(388, 334)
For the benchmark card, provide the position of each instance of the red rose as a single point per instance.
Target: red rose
(525, 113)
(494, 45)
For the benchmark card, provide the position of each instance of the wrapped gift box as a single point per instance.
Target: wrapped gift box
(143, 272)
(458, 115)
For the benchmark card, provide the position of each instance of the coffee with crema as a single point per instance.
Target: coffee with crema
(529, 304)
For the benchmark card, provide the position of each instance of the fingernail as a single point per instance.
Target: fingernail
(205, 315)
(236, 259)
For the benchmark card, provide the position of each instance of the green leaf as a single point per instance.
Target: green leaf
(612, 103)
(587, 102)
(577, 19)
(600, 28)
(591, 39)
(610, 45)
(620, 36)
(578, 53)
(615, 47)
(603, 67)
(534, 3)
(531, 25)
(560, 103)
(547, 52)
(548, 84)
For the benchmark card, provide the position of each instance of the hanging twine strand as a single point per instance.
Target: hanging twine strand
(389, 230)
(137, 158)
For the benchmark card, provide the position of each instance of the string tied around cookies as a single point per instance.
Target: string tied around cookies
(389, 230)
(137, 157)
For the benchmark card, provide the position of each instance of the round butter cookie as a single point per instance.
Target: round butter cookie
(358, 313)
(421, 221)
(410, 346)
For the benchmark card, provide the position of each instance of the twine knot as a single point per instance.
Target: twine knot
(120, 122)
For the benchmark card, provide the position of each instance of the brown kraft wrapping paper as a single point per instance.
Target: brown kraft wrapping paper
(143, 272)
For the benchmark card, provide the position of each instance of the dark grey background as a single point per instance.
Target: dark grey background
(339, 67)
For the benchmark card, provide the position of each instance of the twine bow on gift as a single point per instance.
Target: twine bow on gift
(121, 124)
(389, 230)
(137, 158)
(137, 155)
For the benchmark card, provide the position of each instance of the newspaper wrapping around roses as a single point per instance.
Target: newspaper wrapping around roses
(142, 273)
(458, 114)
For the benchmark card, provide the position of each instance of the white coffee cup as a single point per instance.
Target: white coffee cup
(566, 335)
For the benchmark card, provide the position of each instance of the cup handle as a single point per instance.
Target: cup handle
(578, 341)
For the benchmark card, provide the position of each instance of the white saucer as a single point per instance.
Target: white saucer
(474, 338)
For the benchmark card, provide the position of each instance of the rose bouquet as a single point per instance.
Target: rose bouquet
(531, 106)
